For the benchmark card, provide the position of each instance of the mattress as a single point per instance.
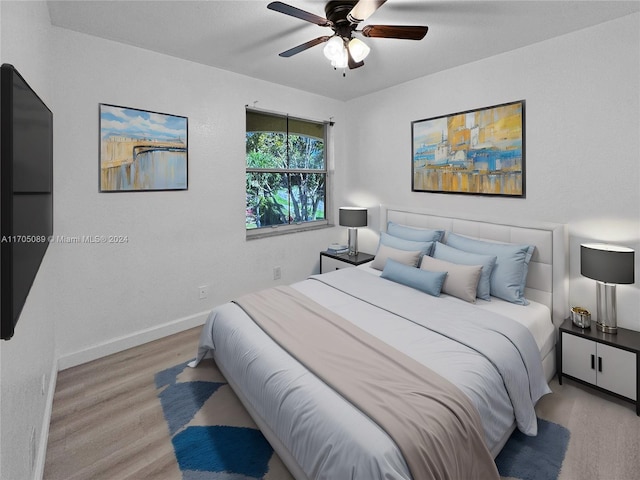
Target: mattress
(536, 317)
(328, 437)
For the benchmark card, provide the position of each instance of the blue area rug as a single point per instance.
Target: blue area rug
(212, 452)
(535, 458)
(219, 447)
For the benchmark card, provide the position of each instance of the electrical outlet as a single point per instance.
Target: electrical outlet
(203, 292)
(277, 273)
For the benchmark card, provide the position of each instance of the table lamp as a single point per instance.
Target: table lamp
(609, 265)
(353, 217)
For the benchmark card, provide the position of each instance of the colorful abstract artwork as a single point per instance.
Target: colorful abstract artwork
(142, 150)
(478, 152)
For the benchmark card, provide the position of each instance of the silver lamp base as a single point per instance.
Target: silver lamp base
(353, 241)
(607, 310)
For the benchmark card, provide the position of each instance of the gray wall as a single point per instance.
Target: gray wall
(90, 300)
(582, 94)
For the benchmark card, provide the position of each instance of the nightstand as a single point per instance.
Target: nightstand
(609, 363)
(333, 261)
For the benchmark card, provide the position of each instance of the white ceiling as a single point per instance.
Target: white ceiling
(243, 36)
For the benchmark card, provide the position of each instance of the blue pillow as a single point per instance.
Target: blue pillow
(423, 280)
(415, 234)
(453, 255)
(402, 244)
(512, 265)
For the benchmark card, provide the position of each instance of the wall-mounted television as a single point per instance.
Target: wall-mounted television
(26, 192)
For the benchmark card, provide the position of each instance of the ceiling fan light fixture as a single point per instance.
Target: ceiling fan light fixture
(344, 18)
(358, 49)
(334, 47)
(342, 60)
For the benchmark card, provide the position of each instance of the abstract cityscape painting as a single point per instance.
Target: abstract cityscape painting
(142, 150)
(479, 152)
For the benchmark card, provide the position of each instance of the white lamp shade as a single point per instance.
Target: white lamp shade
(334, 47)
(358, 49)
(342, 61)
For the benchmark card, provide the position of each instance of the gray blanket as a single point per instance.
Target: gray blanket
(434, 424)
(509, 346)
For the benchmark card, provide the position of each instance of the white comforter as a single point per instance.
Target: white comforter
(344, 443)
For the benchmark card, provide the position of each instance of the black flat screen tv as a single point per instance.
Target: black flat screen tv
(26, 192)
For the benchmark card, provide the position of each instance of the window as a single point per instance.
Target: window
(286, 174)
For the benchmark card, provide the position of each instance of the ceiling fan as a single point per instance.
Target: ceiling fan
(343, 17)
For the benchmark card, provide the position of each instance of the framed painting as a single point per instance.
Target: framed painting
(142, 150)
(478, 152)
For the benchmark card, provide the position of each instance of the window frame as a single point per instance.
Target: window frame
(280, 229)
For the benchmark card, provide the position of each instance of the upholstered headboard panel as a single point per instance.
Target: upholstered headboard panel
(547, 281)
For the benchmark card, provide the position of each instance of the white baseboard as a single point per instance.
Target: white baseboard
(38, 469)
(123, 343)
(99, 351)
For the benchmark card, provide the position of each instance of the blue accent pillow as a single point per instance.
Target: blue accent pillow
(402, 244)
(423, 280)
(414, 234)
(453, 255)
(512, 265)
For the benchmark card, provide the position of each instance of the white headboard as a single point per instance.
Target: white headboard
(547, 281)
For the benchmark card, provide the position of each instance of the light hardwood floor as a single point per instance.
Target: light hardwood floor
(605, 432)
(107, 422)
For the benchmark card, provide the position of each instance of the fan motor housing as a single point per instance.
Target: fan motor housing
(336, 12)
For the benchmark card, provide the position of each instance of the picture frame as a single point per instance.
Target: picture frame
(475, 152)
(142, 150)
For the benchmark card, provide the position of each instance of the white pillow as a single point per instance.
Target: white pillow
(403, 256)
(461, 281)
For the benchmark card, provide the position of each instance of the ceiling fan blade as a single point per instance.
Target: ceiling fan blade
(296, 12)
(402, 32)
(363, 10)
(301, 48)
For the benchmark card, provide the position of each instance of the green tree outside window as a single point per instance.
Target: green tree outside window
(286, 170)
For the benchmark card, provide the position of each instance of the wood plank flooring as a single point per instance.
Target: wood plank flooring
(107, 422)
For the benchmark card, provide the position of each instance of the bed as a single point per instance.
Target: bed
(317, 432)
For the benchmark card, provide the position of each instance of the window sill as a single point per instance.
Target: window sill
(257, 233)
